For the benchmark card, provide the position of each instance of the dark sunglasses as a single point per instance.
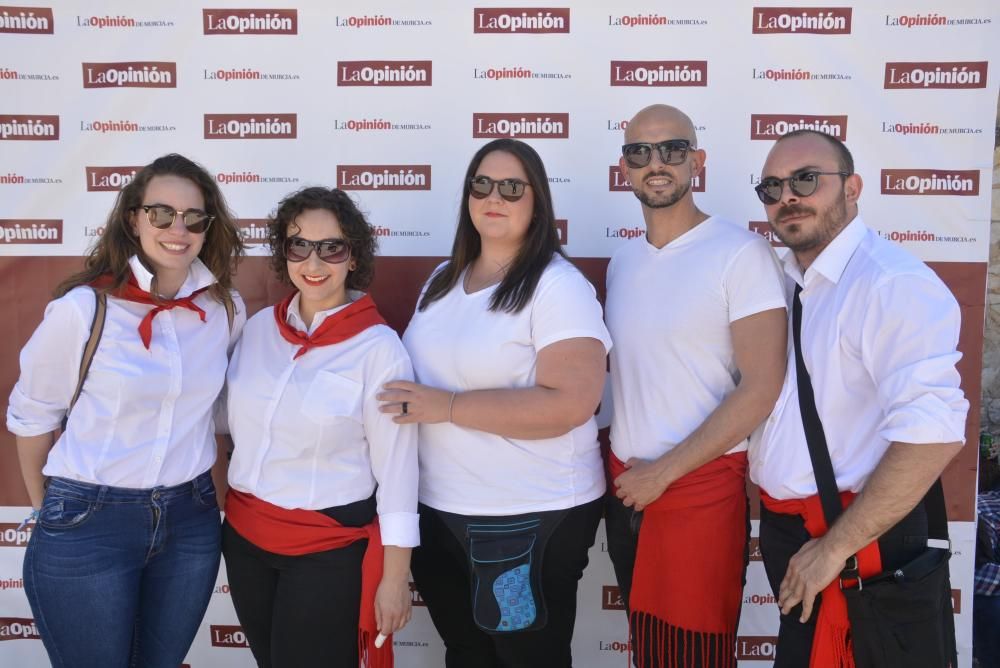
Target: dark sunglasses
(511, 190)
(672, 152)
(331, 251)
(162, 216)
(802, 184)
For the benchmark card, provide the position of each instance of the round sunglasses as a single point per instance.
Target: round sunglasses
(331, 251)
(511, 190)
(802, 184)
(162, 216)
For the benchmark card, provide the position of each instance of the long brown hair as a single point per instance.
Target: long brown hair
(541, 241)
(109, 256)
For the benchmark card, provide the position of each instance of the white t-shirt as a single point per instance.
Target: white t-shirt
(458, 344)
(144, 417)
(879, 338)
(308, 432)
(669, 311)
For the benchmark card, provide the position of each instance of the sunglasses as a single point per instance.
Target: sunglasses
(162, 216)
(802, 184)
(672, 152)
(511, 190)
(331, 251)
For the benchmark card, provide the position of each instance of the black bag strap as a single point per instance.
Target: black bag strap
(819, 452)
(96, 330)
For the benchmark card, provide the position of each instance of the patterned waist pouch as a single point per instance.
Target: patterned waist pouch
(505, 566)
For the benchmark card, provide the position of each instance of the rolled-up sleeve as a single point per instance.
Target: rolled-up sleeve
(393, 451)
(910, 332)
(50, 366)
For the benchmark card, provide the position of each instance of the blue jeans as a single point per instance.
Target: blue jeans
(122, 577)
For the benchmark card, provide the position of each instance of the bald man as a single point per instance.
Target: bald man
(696, 308)
(875, 333)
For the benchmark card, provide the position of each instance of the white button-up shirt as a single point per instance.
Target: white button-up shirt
(145, 417)
(879, 338)
(308, 431)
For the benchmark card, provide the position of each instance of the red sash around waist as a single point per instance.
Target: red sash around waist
(687, 585)
(831, 643)
(296, 532)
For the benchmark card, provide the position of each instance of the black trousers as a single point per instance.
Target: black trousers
(781, 537)
(621, 524)
(299, 611)
(441, 572)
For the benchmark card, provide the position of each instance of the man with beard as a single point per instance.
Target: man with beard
(697, 312)
(872, 382)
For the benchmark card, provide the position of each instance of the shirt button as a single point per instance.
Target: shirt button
(157, 459)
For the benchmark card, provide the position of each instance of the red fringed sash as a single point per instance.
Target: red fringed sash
(297, 532)
(687, 586)
(832, 642)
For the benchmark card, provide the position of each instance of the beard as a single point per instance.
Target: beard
(663, 200)
(829, 222)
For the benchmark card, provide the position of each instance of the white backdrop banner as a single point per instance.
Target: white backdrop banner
(390, 99)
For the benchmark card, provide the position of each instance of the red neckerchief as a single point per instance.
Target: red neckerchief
(297, 532)
(342, 325)
(831, 642)
(687, 586)
(131, 291)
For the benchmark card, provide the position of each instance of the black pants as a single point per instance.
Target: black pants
(441, 572)
(622, 526)
(299, 611)
(781, 537)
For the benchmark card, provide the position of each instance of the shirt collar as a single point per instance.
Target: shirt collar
(295, 319)
(199, 276)
(832, 260)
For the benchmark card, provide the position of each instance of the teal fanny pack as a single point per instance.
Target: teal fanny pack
(505, 567)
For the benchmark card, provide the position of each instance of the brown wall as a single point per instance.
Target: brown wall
(26, 285)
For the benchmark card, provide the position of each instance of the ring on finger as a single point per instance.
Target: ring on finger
(405, 407)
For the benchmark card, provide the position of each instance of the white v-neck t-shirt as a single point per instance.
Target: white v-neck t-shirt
(669, 310)
(458, 344)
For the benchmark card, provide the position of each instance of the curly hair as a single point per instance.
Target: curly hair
(358, 233)
(110, 255)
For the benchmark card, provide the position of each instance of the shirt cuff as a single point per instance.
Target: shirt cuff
(28, 428)
(926, 419)
(400, 529)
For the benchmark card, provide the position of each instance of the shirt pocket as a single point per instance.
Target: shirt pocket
(332, 397)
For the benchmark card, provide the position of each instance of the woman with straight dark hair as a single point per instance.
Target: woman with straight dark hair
(129, 361)
(322, 507)
(508, 346)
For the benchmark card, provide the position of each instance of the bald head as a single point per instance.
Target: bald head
(658, 122)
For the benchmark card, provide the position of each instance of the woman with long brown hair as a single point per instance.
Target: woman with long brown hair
(508, 346)
(130, 359)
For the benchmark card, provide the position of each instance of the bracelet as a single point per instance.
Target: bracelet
(451, 405)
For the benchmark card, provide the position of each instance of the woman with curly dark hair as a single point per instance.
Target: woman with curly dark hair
(124, 555)
(319, 478)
